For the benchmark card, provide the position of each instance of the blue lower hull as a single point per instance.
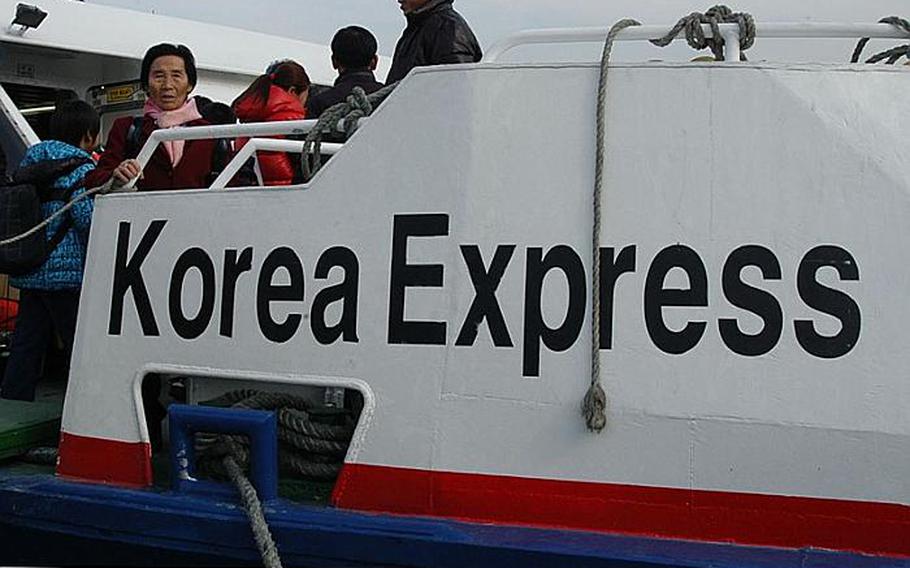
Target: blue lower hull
(47, 521)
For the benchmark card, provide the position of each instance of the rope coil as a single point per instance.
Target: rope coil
(307, 448)
(714, 16)
(891, 55)
(345, 114)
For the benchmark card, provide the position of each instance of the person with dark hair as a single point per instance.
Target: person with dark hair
(168, 75)
(279, 94)
(49, 295)
(435, 35)
(354, 56)
(215, 112)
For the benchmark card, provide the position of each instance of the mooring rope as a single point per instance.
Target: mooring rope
(714, 16)
(891, 55)
(345, 114)
(594, 404)
(102, 189)
(268, 550)
(308, 448)
(43, 455)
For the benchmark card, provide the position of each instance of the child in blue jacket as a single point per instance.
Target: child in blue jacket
(49, 295)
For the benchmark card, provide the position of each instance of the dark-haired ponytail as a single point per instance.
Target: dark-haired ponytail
(285, 74)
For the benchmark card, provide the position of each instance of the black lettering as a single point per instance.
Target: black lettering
(828, 301)
(755, 300)
(657, 297)
(128, 277)
(485, 304)
(610, 270)
(404, 275)
(345, 291)
(191, 328)
(536, 330)
(267, 292)
(234, 266)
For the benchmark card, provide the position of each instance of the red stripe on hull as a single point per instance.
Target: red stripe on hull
(743, 518)
(128, 464)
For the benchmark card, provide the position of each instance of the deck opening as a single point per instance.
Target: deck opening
(315, 425)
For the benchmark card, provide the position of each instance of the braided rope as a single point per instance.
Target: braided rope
(893, 54)
(308, 447)
(298, 421)
(594, 404)
(253, 507)
(261, 400)
(714, 16)
(345, 114)
(44, 455)
(313, 445)
(102, 189)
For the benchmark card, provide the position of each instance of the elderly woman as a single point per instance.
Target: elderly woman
(168, 77)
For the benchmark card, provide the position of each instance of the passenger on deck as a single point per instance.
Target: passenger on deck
(168, 76)
(280, 94)
(354, 56)
(436, 34)
(49, 295)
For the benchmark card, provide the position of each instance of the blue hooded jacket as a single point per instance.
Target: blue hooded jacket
(63, 268)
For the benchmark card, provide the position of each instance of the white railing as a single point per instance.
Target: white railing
(249, 130)
(268, 145)
(730, 33)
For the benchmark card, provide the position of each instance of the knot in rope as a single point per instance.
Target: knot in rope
(891, 55)
(360, 107)
(714, 16)
(345, 114)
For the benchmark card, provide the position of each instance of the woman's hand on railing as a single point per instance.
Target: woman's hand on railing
(126, 172)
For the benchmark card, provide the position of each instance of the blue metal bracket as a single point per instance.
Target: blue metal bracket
(258, 425)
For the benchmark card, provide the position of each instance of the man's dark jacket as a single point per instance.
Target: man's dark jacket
(344, 84)
(436, 34)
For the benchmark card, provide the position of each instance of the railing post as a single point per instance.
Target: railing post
(731, 44)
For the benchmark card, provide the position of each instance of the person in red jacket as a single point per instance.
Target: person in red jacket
(168, 77)
(280, 94)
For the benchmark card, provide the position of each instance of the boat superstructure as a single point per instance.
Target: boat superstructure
(439, 269)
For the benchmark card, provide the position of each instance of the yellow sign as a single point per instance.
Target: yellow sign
(119, 94)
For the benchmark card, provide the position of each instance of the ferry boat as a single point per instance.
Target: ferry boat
(430, 291)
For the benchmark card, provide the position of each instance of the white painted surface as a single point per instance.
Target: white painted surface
(711, 156)
(102, 30)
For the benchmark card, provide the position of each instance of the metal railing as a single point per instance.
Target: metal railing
(268, 145)
(251, 130)
(730, 33)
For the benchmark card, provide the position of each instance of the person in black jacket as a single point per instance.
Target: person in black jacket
(436, 34)
(354, 56)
